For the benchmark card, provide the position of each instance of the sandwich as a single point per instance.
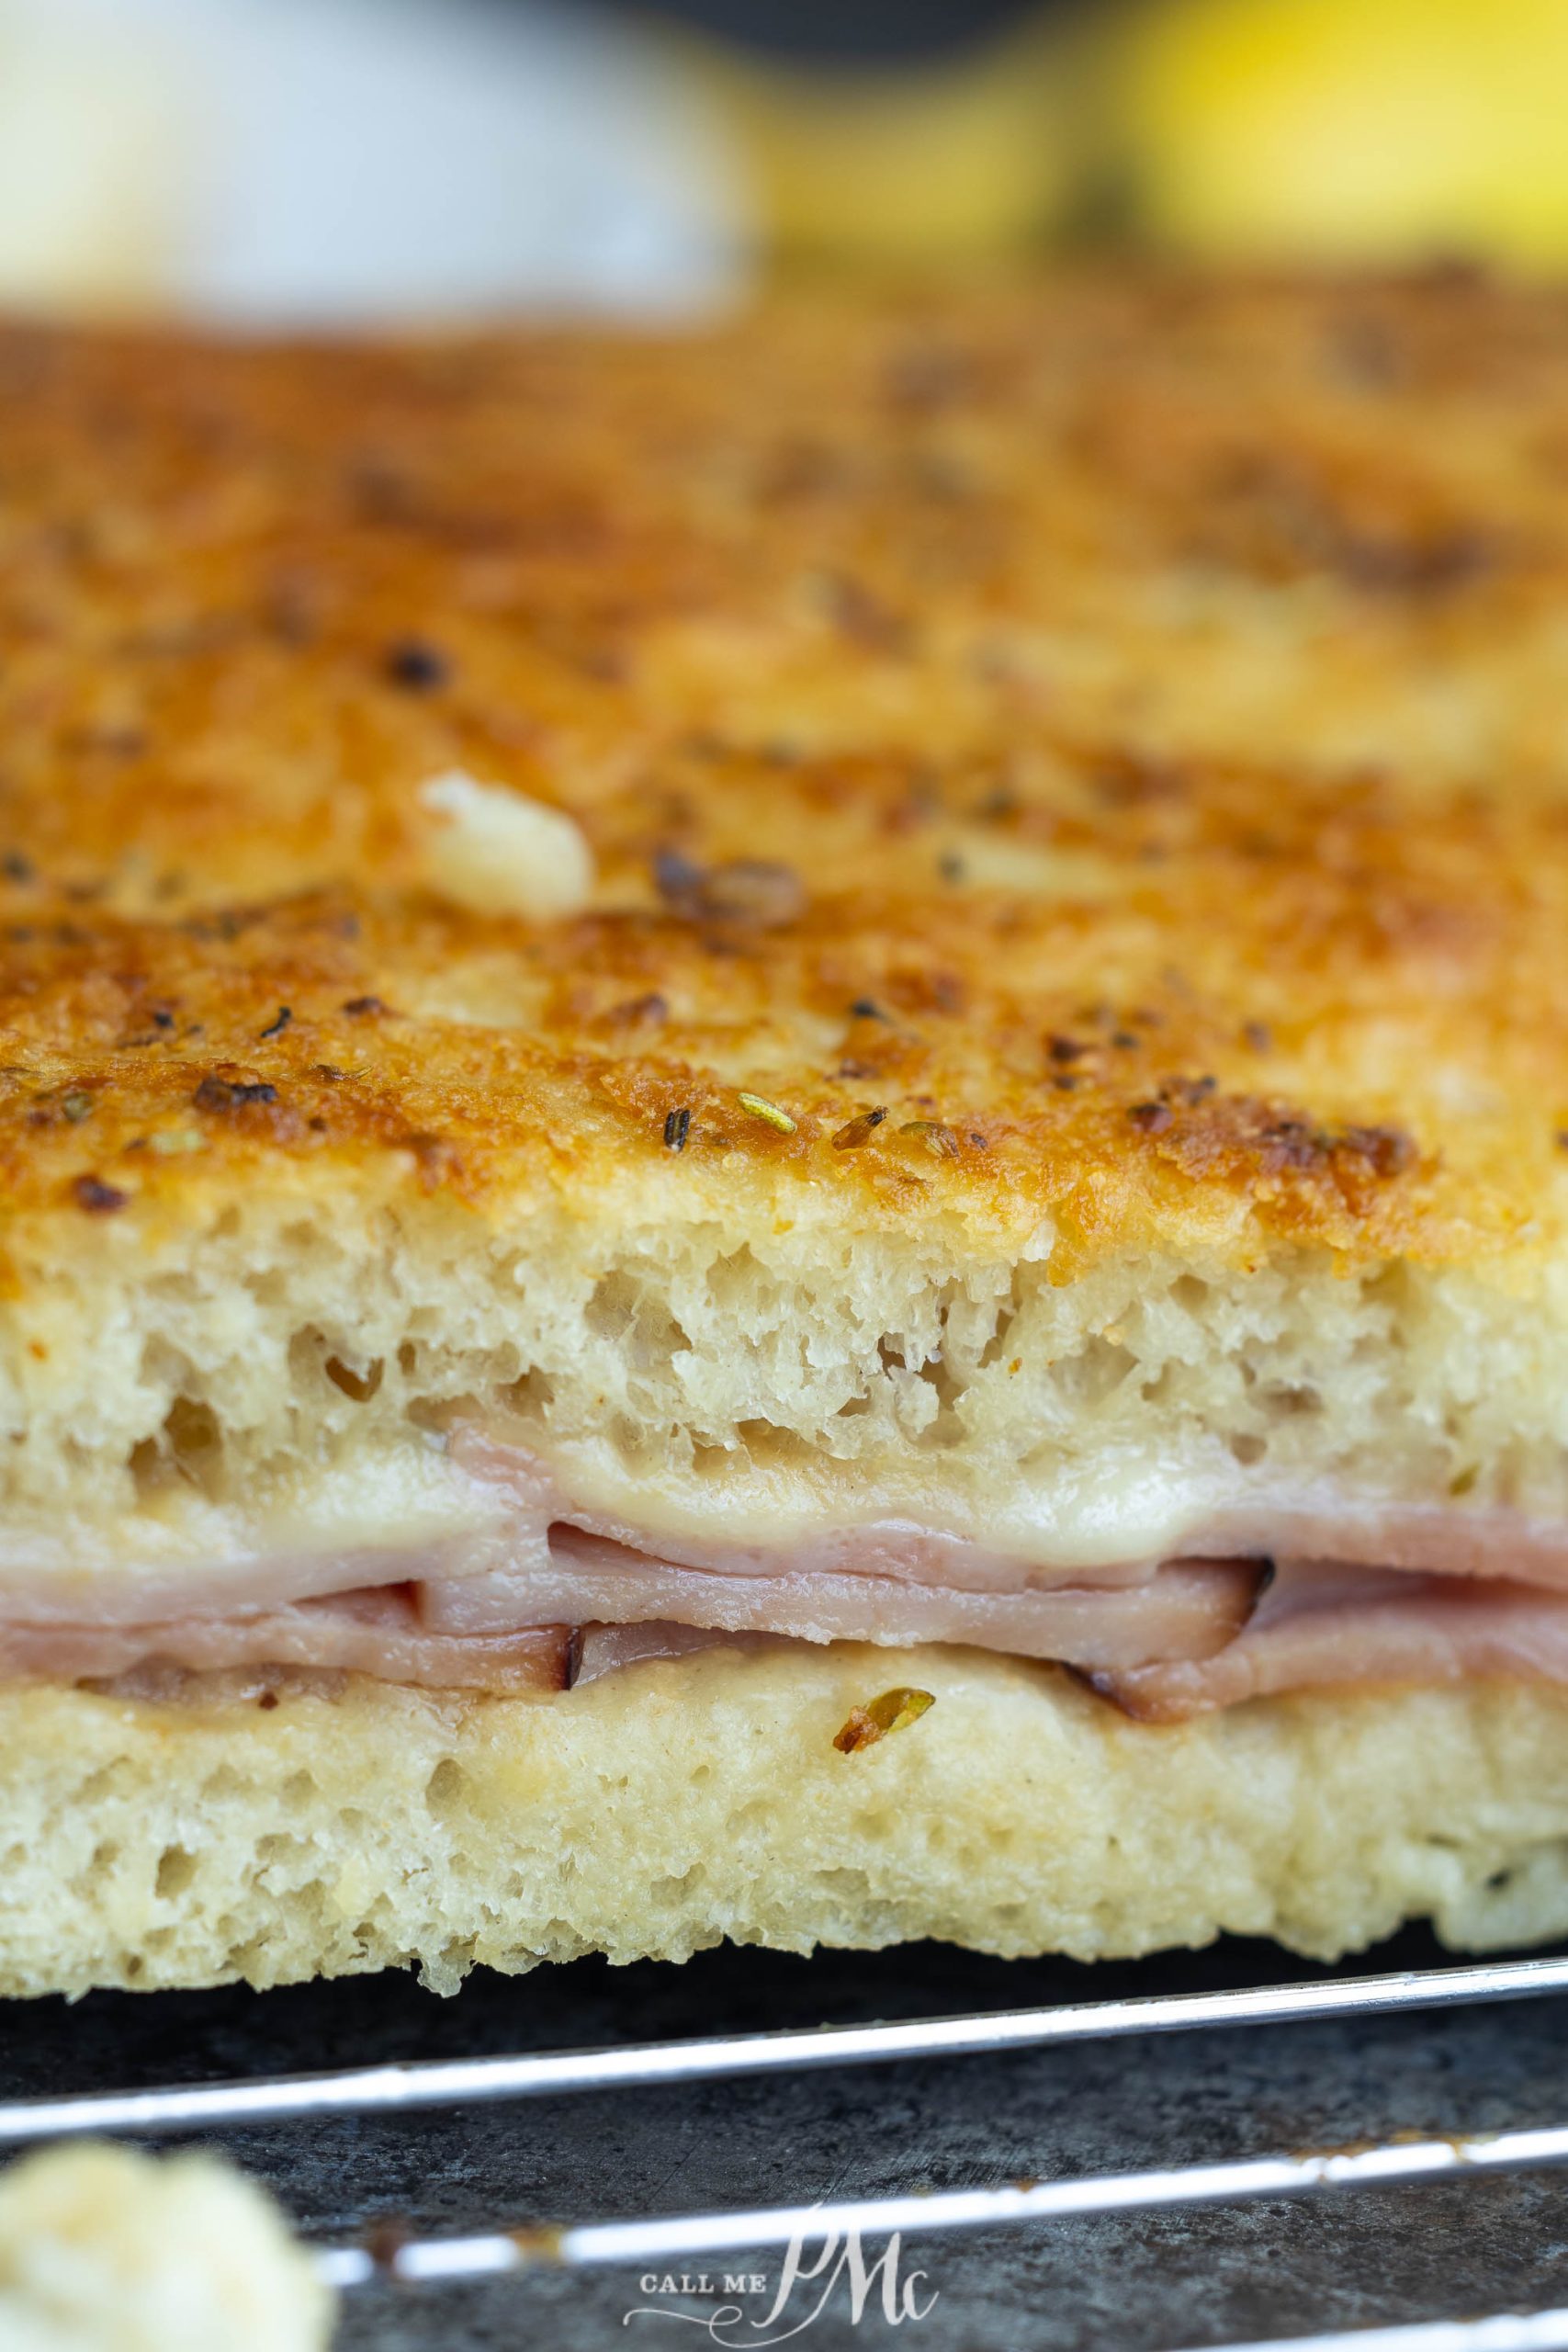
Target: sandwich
(784, 1132)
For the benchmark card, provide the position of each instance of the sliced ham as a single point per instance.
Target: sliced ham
(604, 1649)
(1188, 1609)
(377, 1633)
(1319, 1625)
(1369, 1591)
(1191, 1610)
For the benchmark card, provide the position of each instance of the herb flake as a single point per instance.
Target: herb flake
(759, 1107)
(858, 1130)
(892, 1712)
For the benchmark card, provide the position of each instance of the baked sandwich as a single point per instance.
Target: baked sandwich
(785, 1133)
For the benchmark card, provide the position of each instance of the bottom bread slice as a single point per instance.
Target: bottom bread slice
(674, 1803)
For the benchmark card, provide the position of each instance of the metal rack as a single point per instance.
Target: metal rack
(406, 2089)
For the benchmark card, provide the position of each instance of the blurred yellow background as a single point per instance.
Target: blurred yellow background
(1372, 130)
(1368, 129)
(346, 157)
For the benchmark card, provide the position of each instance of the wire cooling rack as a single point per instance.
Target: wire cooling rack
(403, 2089)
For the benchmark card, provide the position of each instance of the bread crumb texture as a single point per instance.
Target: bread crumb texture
(166, 1391)
(676, 1803)
(104, 2249)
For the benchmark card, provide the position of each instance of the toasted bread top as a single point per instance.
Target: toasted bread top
(1095, 749)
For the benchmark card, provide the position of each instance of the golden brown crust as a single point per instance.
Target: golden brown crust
(1144, 701)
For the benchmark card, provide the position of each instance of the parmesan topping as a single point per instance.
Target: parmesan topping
(494, 850)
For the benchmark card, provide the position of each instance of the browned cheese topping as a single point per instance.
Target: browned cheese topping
(1084, 747)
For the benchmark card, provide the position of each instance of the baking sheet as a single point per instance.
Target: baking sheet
(1144, 2283)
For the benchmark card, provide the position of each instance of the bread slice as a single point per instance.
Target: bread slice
(890, 974)
(682, 1802)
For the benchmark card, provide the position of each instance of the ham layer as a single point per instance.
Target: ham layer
(1319, 1624)
(377, 1631)
(1444, 1594)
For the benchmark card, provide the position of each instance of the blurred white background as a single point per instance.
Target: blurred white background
(275, 160)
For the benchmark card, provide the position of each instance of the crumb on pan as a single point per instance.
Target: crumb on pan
(106, 2249)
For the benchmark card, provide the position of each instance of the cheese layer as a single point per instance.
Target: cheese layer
(1353, 1593)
